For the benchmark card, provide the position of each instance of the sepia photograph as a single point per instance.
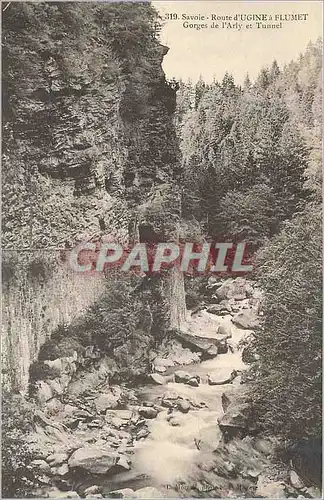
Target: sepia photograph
(161, 249)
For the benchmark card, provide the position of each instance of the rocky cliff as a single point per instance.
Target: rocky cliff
(89, 150)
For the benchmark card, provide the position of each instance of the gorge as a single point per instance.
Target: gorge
(150, 386)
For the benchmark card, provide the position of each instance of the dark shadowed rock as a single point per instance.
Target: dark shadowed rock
(181, 377)
(237, 420)
(306, 456)
(147, 412)
(225, 402)
(194, 382)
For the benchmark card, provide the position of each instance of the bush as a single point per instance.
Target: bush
(112, 324)
(41, 371)
(194, 289)
(17, 415)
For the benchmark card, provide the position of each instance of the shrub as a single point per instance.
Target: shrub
(41, 371)
(17, 414)
(194, 289)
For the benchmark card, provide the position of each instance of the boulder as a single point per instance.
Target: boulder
(224, 330)
(246, 319)
(264, 446)
(216, 309)
(106, 402)
(165, 362)
(213, 379)
(148, 492)
(181, 377)
(170, 399)
(222, 347)
(56, 493)
(92, 490)
(157, 379)
(94, 459)
(237, 289)
(159, 369)
(211, 352)
(225, 402)
(123, 493)
(57, 459)
(194, 382)
(295, 480)
(142, 433)
(236, 421)
(196, 343)
(147, 412)
(124, 463)
(213, 283)
(62, 470)
(44, 392)
(41, 466)
(120, 414)
(275, 489)
(183, 406)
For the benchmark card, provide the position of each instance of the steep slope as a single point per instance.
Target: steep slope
(88, 139)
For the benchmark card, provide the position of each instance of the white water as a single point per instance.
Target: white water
(170, 454)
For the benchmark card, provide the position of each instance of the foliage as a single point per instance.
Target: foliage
(288, 387)
(252, 165)
(112, 322)
(194, 288)
(41, 371)
(17, 416)
(241, 144)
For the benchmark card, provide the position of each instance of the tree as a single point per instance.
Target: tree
(287, 391)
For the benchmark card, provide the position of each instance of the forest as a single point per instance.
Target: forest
(252, 172)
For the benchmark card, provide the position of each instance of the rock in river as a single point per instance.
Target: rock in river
(157, 379)
(147, 412)
(181, 377)
(148, 492)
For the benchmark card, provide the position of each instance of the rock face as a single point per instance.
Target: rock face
(99, 150)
